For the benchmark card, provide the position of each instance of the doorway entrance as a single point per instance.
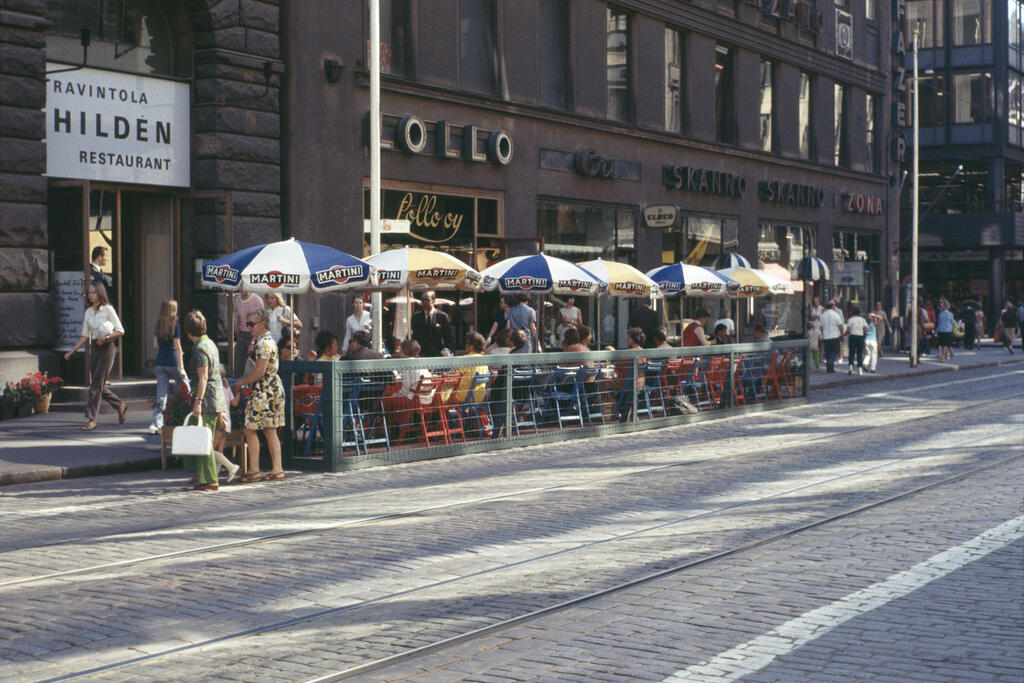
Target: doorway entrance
(136, 227)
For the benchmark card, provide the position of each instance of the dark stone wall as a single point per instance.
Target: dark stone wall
(24, 263)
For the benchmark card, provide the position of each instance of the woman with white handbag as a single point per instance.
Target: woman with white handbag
(209, 397)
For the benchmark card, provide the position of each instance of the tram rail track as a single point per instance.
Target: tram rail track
(322, 528)
(478, 632)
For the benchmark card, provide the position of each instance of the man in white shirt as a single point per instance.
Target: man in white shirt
(831, 333)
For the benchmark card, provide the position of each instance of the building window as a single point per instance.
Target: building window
(673, 81)
(871, 10)
(767, 106)
(780, 248)
(804, 121)
(619, 65)
(554, 54)
(1015, 14)
(870, 133)
(932, 100)
(132, 35)
(973, 99)
(841, 151)
(395, 37)
(926, 17)
(478, 46)
(972, 23)
(1014, 100)
(725, 117)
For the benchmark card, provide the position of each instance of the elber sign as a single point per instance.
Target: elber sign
(104, 125)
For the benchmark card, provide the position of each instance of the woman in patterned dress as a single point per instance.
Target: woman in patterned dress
(265, 409)
(209, 398)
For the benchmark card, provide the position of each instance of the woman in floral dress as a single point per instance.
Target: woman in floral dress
(265, 409)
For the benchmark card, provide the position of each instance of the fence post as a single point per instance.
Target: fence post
(732, 379)
(636, 389)
(332, 445)
(509, 408)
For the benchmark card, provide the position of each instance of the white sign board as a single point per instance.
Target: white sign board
(118, 127)
(848, 273)
(70, 307)
(389, 225)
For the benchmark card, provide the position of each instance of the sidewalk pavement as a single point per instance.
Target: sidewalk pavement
(52, 446)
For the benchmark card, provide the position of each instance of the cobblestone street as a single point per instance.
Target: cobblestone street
(760, 547)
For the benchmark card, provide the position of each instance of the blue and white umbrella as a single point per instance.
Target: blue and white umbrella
(542, 274)
(730, 261)
(690, 280)
(288, 267)
(813, 268)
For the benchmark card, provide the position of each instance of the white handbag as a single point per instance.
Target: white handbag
(193, 440)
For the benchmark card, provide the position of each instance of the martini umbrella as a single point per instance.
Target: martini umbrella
(754, 282)
(690, 280)
(417, 269)
(288, 267)
(730, 261)
(622, 278)
(542, 274)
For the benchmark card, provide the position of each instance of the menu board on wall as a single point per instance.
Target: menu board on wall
(70, 307)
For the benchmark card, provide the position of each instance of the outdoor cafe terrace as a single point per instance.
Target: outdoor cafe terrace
(344, 415)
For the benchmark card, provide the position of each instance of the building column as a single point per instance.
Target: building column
(996, 285)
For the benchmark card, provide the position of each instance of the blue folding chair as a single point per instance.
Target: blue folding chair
(524, 403)
(560, 396)
(652, 393)
(586, 388)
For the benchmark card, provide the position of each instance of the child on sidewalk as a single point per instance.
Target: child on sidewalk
(814, 341)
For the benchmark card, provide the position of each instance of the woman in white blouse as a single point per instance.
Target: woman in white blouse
(359, 320)
(281, 316)
(100, 328)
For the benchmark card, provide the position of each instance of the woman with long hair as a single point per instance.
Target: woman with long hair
(100, 328)
(281, 316)
(169, 360)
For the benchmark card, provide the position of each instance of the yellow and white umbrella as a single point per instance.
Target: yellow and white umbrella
(754, 282)
(415, 269)
(623, 279)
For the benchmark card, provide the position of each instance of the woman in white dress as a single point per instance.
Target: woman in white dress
(568, 316)
(359, 320)
(281, 316)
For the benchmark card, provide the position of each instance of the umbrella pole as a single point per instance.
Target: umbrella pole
(597, 322)
(291, 337)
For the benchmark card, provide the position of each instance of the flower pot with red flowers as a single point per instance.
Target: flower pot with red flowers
(39, 386)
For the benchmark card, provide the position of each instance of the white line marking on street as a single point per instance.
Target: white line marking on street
(759, 652)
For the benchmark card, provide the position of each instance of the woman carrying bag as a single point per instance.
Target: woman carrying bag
(209, 399)
(100, 327)
(169, 360)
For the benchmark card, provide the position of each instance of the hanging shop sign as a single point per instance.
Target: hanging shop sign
(861, 203)
(791, 193)
(661, 215)
(446, 140)
(704, 181)
(117, 127)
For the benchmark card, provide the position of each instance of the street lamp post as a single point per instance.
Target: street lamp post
(915, 211)
(375, 301)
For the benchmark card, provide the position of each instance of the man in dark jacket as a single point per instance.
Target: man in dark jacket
(360, 347)
(430, 327)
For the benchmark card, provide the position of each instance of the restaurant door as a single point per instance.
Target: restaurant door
(136, 228)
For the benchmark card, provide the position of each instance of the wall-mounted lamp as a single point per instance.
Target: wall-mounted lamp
(332, 70)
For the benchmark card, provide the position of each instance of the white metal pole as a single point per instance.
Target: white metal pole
(915, 216)
(375, 300)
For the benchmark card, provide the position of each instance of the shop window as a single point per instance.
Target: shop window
(478, 46)
(1015, 14)
(619, 65)
(972, 23)
(395, 37)
(926, 17)
(767, 112)
(725, 116)
(131, 35)
(673, 81)
(973, 98)
(583, 232)
(855, 269)
(554, 53)
(841, 144)
(780, 248)
(804, 117)
(932, 99)
(870, 133)
(1014, 100)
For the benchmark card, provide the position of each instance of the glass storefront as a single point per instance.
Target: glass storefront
(582, 232)
(856, 264)
(780, 248)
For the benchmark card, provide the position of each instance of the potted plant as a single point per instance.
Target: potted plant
(14, 401)
(40, 387)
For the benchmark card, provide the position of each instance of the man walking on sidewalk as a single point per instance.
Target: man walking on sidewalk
(831, 332)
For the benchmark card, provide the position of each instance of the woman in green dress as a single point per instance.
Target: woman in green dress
(204, 368)
(264, 411)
